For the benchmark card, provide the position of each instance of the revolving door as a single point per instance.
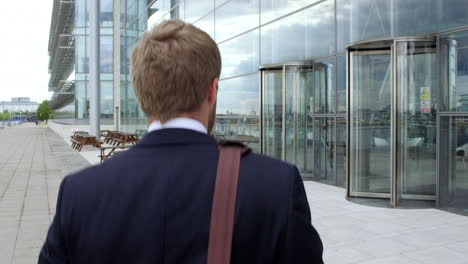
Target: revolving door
(392, 120)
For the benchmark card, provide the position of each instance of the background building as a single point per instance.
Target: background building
(19, 104)
(369, 95)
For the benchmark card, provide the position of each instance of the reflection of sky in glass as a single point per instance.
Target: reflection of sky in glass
(302, 36)
(239, 95)
(206, 24)
(366, 19)
(272, 9)
(195, 9)
(236, 17)
(240, 55)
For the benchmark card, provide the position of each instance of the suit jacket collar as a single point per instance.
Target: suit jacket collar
(175, 136)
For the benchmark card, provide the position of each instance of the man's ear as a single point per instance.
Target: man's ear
(213, 92)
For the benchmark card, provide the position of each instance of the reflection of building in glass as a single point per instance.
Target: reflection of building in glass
(463, 102)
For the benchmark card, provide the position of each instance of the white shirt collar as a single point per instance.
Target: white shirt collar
(179, 122)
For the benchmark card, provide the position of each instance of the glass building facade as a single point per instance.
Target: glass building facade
(82, 58)
(369, 95)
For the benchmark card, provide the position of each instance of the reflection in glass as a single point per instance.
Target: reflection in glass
(454, 71)
(417, 105)
(324, 150)
(272, 9)
(298, 118)
(195, 9)
(238, 111)
(453, 180)
(301, 36)
(206, 24)
(236, 17)
(81, 59)
(240, 55)
(340, 150)
(107, 13)
(272, 113)
(81, 109)
(107, 99)
(81, 14)
(341, 84)
(106, 54)
(324, 88)
(428, 16)
(370, 127)
(359, 20)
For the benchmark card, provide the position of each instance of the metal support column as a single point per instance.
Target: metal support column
(94, 72)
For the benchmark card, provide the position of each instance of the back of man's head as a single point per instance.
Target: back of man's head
(172, 68)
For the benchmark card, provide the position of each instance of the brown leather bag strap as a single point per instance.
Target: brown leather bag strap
(224, 203)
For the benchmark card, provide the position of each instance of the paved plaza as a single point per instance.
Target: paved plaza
(33, 161)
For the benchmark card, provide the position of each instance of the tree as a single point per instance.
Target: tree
(44, 112)
(5, 116)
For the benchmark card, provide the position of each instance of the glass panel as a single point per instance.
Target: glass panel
(417, 112)
(236, 17)
(195, 9)
(80, 100)
(454, 71)
(273, 113)
(81, 14)
(360, 20)
(298, 87)
(240, 55)
(107, 13)
(453, 174)
(206, 24)
(341, 152)
(106, 54)
(312, 32)
(324, 88)
(238, 111)
(429, 16)
(155, 13)
(370, 109)
(341, 84)
(107, 102)
(272, 9)
(324, 148)
(81, 60)
(178, 11)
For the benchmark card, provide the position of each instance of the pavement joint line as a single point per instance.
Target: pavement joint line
(45, 173)
(24, 199)
(13, 173)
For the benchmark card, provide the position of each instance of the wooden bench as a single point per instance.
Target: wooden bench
(74, 138)
(117, 138)
(86, 140)
(112, 151)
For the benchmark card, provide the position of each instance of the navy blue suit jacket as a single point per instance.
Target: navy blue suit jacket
(152, 204)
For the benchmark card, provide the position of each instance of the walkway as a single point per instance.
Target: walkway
(33, 161)
(32, 164)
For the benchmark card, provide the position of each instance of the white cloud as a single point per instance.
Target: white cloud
(24, 58)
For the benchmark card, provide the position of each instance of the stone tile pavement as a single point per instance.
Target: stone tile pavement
(354, 233)
(33, 161)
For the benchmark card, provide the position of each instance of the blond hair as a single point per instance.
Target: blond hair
(172, 68)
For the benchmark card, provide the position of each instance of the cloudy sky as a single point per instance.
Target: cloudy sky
(24, 28)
